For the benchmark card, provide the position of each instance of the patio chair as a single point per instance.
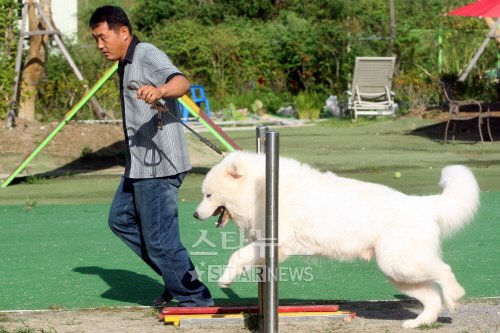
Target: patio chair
(460, 110)
(370, 92)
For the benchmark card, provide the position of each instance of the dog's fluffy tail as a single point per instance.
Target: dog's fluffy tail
(459, 200)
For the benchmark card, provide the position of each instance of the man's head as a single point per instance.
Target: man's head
(112, 31)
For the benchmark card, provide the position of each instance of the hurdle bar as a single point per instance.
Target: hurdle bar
(237, 318)
(206, 310)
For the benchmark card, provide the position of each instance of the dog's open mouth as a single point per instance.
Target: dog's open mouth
(224, 216)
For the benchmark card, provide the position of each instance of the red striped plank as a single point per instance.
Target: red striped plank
(245, 309)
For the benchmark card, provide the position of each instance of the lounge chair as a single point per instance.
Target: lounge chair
(370, 93)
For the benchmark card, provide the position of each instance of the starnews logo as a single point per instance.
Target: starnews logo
(229, 240)
(212, 273)
(233, 240)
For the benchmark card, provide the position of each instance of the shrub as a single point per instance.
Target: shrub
(309, 105)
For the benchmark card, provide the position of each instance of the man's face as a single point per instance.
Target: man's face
(112, 43)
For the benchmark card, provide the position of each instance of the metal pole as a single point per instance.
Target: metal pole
(260, 145)
(11, 119)
(440, 48)
(480, 51)
(271, 248)
(260, 136)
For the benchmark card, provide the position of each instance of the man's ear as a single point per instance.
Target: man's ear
(234, 171)
(124, 32)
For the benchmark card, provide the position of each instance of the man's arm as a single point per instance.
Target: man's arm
(176, 87)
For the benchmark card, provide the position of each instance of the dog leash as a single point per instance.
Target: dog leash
(162, 108)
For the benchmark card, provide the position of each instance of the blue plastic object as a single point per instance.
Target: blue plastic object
(199, 97)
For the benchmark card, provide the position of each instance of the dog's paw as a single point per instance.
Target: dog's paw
(412, 323)
(224, 284)
(226, 278)
(457, 293)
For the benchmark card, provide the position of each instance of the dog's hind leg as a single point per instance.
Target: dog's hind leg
(428, 294)
(241, 260)
(416, 274)
(452, 290)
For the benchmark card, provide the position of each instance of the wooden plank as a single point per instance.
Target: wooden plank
(197, 319)
(245, 309)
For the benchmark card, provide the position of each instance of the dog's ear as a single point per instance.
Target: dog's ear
(234, 171)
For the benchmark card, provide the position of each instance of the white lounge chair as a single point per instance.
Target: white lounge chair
(370, 93)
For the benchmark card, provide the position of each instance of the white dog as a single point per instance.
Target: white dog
(327, 215)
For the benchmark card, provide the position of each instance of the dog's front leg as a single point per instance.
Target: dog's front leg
(241, 260)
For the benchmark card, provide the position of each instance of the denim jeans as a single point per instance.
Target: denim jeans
(144, 214)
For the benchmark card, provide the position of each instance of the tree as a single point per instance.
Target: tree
(392, 27)
(35, 61)
(8, 17)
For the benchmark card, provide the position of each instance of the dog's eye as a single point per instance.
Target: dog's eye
(208, 196)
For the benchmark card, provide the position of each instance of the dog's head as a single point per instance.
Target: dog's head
(220, 189)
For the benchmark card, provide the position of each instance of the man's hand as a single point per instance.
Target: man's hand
(174, 88)
(149, 94)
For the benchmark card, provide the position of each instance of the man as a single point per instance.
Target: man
(144, 212)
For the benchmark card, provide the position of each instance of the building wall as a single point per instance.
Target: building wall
(64, 15)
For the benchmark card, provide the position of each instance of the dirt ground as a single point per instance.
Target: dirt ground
(482, 316)
(71, 141)
(73, 147)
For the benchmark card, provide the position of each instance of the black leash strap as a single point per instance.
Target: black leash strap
(160, 108)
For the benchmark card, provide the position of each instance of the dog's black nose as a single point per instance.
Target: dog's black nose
(195, 214)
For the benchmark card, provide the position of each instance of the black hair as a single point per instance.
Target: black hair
(114, 16)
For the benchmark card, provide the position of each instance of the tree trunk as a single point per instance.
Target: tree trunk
(35, 61)
(392, 27)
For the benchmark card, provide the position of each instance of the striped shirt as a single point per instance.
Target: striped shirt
(151, 152)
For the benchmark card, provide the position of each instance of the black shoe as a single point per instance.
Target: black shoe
(162, 300)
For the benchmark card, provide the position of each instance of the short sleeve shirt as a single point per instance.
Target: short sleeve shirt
(151, 152)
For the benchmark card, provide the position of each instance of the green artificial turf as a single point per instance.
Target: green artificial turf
(64, 256)
(56, 250)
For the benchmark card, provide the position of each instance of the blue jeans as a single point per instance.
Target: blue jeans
(144, 214)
